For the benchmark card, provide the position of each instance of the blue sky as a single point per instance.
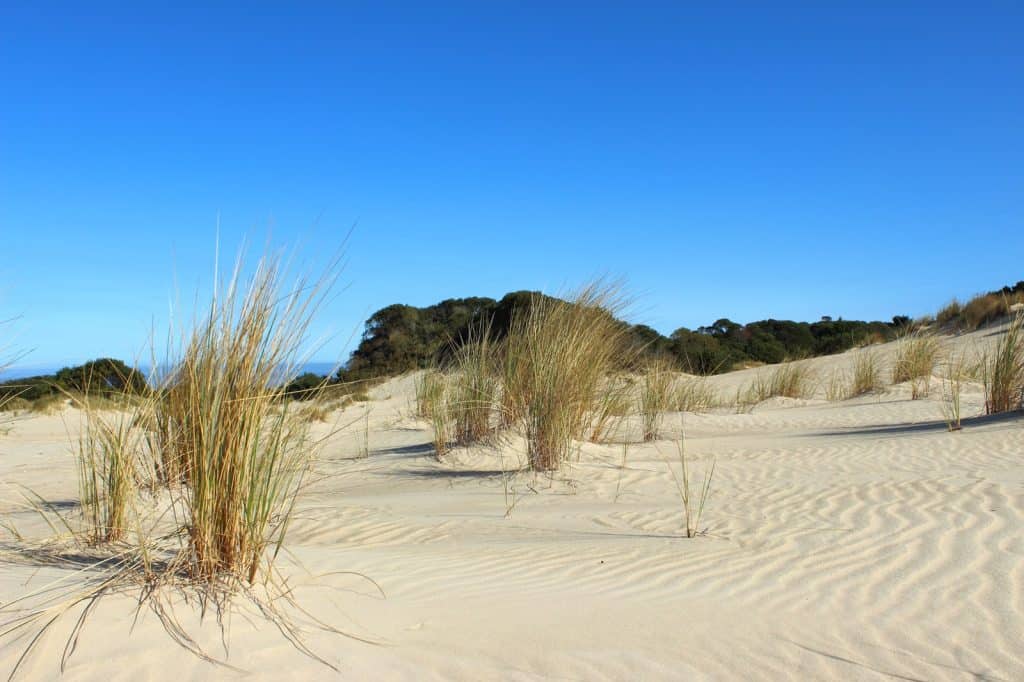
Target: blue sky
(728, 160)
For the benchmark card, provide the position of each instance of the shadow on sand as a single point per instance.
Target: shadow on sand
(934, 426)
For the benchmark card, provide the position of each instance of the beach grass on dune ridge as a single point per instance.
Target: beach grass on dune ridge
(792, 379)
(867, 373)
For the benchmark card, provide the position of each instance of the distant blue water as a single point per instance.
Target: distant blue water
(22, 371)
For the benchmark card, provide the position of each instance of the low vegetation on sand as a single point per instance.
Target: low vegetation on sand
(1003, 370)
(562, 352)
(614, 402)
(694, 394)
(789, 380)
(110, 462)
(867, 373)
(656, 398)
(693, 499)
(954, 376)
(917, 354)
(225, 432)
(551, 376)
(981, 310)
(430, 388)
(473, 389)
(228, 451)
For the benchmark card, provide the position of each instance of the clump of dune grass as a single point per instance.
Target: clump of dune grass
(693, 499)
(241, 451)
(917, 353)
(867, 374)
(759, 389)
(316, 410)
(441, 418)
(557, 354)
(745, 399)
(1003, 370)
(986, 308)
(110, 457)
(515, 367)
(429, 392)
(14, 403)
(836, 386)
(227, 434)
(863, 377)
(612, 404)
(693, 394)
(107, 458)
(950, 313)
(50, 404)
(474, 389)
(955, 374)
(793, 379)
(655, 397)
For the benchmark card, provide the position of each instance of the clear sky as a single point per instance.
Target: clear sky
(729, 160)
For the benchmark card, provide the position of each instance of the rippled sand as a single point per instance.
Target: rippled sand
(849, 540)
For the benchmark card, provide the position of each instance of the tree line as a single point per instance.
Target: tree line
(399, 338)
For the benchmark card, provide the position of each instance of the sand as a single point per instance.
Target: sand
(853, 540)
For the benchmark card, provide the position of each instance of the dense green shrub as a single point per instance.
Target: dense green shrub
(104, 377)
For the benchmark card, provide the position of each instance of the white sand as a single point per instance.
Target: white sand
(851, 540)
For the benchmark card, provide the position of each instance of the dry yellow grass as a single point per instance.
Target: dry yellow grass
(429, 393)
(789, 379)
(1003, 370)
(836, 386)
(474, 389)
(693, 500)
(440, 418)
(867, 373)
(614, 402)
(232, 452)
(954, 376)
(917, 353)
(694, 394)
(557, 355)
(225, 431)
(656, 396)
(107, 454)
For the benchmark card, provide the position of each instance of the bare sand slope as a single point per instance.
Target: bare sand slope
(856, 540)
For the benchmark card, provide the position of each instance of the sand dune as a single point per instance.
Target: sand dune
(847, 540)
